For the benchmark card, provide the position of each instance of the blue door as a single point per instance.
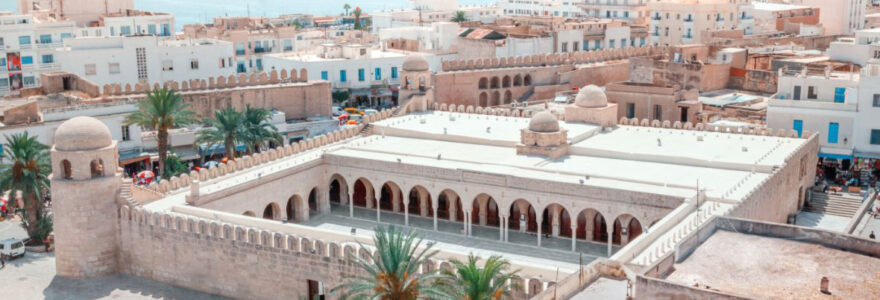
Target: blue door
(799, 127)
(832, 132)
(839, 95)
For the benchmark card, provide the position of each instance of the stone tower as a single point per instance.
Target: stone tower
(416, 90)
(85, 182)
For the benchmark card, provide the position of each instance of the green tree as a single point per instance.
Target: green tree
(26, 169)
(174, 165)
(258, 132)
(392, 271)
(459, 17)
(469, 281)
(162, 110)
(226, 129)
(339, 96)
(357, 18)
(346, 7)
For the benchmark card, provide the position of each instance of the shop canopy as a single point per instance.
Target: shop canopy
(873, 155)
(208, 150)
(835, 156)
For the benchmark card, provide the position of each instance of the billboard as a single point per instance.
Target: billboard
(13, 61)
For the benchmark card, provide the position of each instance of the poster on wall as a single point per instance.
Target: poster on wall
(15, 81)
(13, 61)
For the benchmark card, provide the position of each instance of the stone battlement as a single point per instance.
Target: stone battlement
(219, 82)
(579, 57)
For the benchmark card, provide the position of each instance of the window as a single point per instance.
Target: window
(113, 68)
(611, 44)
(798, 125)
(125, 30)
(48, 59)
(65, 36)
(1, 42)
(24, 40)
(91, 69)
(239, 48)
(839, 95)
(4, 82)
(811, 92)
(194, 64)
(393, 72)
(378, 73)
(875, 136)
(832, 132)
(126, 133)
(361, 75)
(166, 29)
(45, 39)
(151, 29)
(342, 76)
(27, 60)
(222, 63)
(29, 81)
(3, 63)
(876, 100)
(167, 65)
(564, 47)
(324, 75)
(288, 45)
(630, 110)
(797, 92)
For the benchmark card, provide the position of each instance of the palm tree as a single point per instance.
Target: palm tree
(26, 171)
(162, 110)
(466, 280)
(393, 270)
(357, 18)
(226, 129)
(346, 7)
(258, 132)
(459, 17)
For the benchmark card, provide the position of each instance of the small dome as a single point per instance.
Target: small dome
(82, 133)
(591, 96)
(415, 62)
(544, 122)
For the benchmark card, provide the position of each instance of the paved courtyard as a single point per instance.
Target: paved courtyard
(485, 238)
(33, 277)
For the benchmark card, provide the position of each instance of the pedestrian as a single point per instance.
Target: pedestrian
(2, 260)
(872, 235)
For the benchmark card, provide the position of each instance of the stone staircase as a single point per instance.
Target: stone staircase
(367, 130)
(832, 204)
(525, 97)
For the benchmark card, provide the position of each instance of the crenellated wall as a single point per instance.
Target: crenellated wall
(579, 57)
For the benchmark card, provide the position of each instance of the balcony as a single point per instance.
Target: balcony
(48, 66)
(262, 50)
(48, 45)
(655, 18)
(239, 52)
(24, 46)
(689, 20)
(783, 100)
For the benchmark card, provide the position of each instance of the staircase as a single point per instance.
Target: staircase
(831, 204)
(525, 97)
(367, 130)
(124, 194)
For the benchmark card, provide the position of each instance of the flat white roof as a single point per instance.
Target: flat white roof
(776, 6)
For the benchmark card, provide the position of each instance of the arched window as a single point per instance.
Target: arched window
(505, 82)
(66, 170)
(484, 83)
(422, 83)
(517, 80)
(97, 167)
(527, 81)
(494, 83)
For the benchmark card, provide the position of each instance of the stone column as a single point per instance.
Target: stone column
(574, 237)
(484, 211)
(610, 238)
(369, 197)
(350, 205)
(435, 217)
(424, 203)
(464, 223)
(539, 219)
(506, 228)
(524, 212)
(395, 201)
(378, 213)
(554, 222)
(501, 228)
(406, 212)
(453, 208)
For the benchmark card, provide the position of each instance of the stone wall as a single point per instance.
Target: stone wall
(569, 58)
(753, 80)
(689, 76)
(651, 288)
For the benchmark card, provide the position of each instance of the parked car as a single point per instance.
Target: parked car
(337, 111)
(370, 112)
(12, 248)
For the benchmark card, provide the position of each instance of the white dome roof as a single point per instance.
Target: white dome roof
(591, 96)
(544, 122)
(82, 133)
(415, 62)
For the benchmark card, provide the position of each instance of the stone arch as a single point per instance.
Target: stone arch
(483, 83)
(556, 220)
(591, 226)
(391, 197)
(527, 80)
(419, 202)
(496, 98)
(272, 212)
(508, 97)
(494, 83)
(484, 99)
(338, 189)
(632, 225)
(505, 81)
(296, 209)
(485, 211)
(522, 216)
(449, 206)
(97, 168)
(517, 80)
(363, 194)
(303, 75)
(313, 201)
(67, 170)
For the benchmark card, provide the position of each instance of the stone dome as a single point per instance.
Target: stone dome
(591, 96)
(415, 62)
(82, 133)
(544, 122)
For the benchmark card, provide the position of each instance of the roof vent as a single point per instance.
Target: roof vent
(699, 138)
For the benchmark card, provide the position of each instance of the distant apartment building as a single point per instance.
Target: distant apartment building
(83, 12)
(771, 18)
(675, 22)
(635, 11)
(27, 48)
(145, 59)
(424, 15)
(438, 36)
(136, 22)
(838, 16)
(842, 107)
(253, 37)
(554, 8)
(859, 49)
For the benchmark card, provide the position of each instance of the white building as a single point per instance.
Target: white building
(859, 49)
(135, 22)
(439, 36)
(839, 16)
(27, 47)
(556, 8)
(629, 10)
(145, 59)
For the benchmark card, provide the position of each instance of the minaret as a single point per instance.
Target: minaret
(85, 182)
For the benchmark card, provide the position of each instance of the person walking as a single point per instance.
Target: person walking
(872, 235)
(2, 260)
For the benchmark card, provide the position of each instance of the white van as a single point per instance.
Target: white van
(12, 248)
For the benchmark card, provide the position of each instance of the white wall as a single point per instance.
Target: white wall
(868, 115)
